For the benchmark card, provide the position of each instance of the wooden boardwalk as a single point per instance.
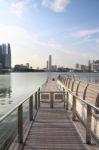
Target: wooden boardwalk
(53, 129)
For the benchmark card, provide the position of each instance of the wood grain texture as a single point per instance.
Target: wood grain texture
(53, 130)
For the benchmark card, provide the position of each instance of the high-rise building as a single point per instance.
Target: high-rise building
(5, 56)
(47, 65)
(27, 65)
(9, 53)
(50, 63)
(77, 66)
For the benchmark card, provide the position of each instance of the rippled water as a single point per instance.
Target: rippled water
(16, 87)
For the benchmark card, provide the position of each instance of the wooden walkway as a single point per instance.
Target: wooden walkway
(53, 130)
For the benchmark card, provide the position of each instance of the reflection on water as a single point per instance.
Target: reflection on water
(16, 87)
(5, 88)
(5, 92)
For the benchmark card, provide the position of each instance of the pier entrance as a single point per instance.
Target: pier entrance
(53, 129)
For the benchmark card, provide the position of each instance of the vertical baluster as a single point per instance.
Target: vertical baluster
(38, 97)
(20, 124)
(74, 109)
(31, 108)
(64, 97)
(51, 100)
(67, 97)
(36, 100)
(88, 125)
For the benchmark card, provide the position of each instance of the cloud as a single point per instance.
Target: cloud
(1, 1)
(97, 40)
(20, 6)
(28, 47)
(56, 5)
(85, 33)
(25, 45)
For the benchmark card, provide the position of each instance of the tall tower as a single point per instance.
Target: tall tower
(5, 56)
(89, 65)
(9, 55)
(47, 65)
(50, 62)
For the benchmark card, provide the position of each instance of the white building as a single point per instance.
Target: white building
(50, 63)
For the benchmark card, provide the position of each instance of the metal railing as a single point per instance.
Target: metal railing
(83, 109)
(52, 96)
(13, 125)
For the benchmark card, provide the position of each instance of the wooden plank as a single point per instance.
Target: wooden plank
(53, 130)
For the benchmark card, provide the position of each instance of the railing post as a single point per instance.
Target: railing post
(77, 88)
(69, 83)
(36, 100)
(20, 124)
(67, 97)
(31, 108)
(64, 96)
(38, 97)
(85, 91)
(51, 100)
(88, 125)
(74, 108)
(72, 86)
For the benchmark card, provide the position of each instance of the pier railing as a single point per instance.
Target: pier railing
(83, 100)
(52, 97)
(15, 125)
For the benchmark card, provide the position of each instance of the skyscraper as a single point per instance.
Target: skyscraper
(50, 63)
(9, 55)
(5, 56)
(47, 65)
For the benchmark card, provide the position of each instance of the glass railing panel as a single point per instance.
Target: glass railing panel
(25, 115)
(8, 130)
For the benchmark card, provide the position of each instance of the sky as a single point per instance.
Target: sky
(66, 29)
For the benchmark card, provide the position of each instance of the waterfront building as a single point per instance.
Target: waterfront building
(54, 68)
(77, 66)
(27, 65)
(95, 66)
(9, 53)
(47, 65)
(5, 56)
(50, 63)
(89, 65)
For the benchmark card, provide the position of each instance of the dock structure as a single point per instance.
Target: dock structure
(53, 129)
(47, 119)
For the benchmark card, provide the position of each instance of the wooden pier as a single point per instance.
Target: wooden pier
(53, 129)
(45, 120)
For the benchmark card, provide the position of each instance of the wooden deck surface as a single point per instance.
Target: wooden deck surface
(53, 130)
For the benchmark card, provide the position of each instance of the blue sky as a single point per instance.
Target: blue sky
(67, 29)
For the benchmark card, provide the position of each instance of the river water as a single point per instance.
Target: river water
(16, 87)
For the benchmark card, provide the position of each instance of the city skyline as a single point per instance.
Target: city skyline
(5, 56)
(66, 29)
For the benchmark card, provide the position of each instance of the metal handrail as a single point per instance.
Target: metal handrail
(84, 101)
(52, 92)
(13, 109)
